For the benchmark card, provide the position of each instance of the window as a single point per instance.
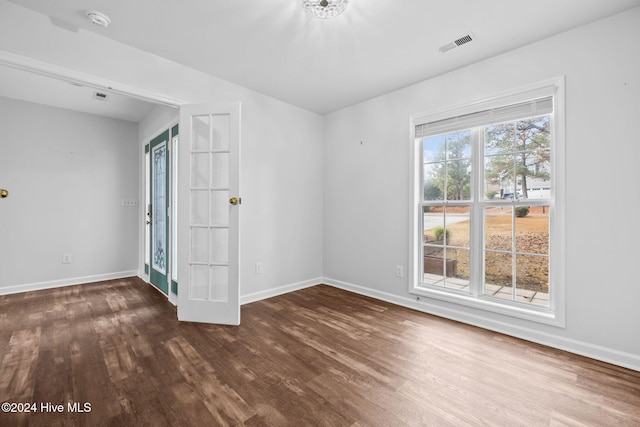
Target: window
(487, 207)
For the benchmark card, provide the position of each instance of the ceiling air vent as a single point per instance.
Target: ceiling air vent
(458, 42)
(100, 96)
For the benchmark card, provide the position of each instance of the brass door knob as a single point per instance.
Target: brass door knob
(235, 201)
(4, 193)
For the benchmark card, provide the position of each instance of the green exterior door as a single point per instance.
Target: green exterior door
(158, 211)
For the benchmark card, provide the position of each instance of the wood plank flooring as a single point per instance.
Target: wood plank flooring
(315, 357)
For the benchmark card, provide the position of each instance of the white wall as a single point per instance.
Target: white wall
(67, 173)
(155, 122)
(281, 178)
(366, 208)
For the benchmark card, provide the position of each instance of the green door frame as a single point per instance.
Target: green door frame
(174, 202)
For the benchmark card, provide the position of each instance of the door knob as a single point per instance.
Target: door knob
(4, 193)
(235, 201)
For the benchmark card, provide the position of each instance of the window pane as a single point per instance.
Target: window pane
(446, 254)
(200, 133)
(535, 174)
(219, 252)
(532, 274)
(498, 280)
(219, 283)
(433, 182)
(220, 132)
(499, 139)
(457, 234)
(533, 133)
(532, 229)
(433, 148)
(457, 223)
(433, 265)
(457, 269)
(451, 179)
(457, 226)
(434, 241)
(200, 170)
(199, 209)
(199, 244)
(458, 145)
(220, 170)
(219, 207)
(433, 224)
(458, 179)
(499, 177)
(498, 233)
(198, 282)
(497, 269)
(447, 267)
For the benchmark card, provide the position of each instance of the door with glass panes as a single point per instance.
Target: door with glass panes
(158, 211)
(209, 213)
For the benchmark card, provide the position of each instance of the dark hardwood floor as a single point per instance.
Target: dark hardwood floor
(315, 357)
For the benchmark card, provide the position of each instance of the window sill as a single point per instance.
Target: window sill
(534, 314)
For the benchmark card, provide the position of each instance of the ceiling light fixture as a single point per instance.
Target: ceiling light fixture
(98, 18)
(325, 9)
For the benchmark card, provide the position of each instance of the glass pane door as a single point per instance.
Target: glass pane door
(209, 218)
(159, 179)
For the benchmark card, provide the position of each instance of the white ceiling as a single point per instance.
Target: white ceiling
(374, 47)
(32, 87)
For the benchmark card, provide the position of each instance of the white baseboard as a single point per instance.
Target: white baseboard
(269, 293)
(27, 287)
(593, 351)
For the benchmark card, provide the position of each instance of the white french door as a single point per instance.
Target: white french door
(208, 213)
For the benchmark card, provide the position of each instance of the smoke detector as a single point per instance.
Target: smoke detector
(467, 38)
(98, 18)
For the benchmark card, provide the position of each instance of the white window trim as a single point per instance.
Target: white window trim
(554, 315)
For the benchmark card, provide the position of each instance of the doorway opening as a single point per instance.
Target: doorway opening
(208, 264)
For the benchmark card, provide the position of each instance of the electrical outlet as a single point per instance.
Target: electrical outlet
(258, 268)
(399, 271)
(66, 258)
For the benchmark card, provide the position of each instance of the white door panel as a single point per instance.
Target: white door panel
(208, 221)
